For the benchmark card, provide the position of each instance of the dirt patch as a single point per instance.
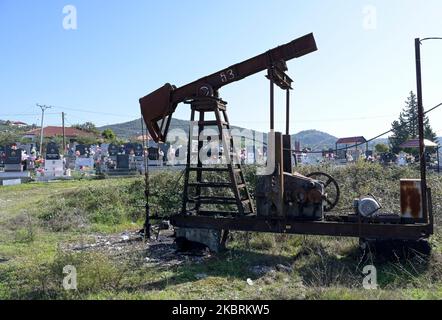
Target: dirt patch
(158, 251)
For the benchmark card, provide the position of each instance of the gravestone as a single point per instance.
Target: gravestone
(25, 147)
(138, 149)
(123, 162)
(13, 169)
(104, 147)
(2, 155)
(139, 159)
(129, 148)
(153, 153)
(84, 164)
(250, 158)
(54, 166)
(11, 182)
(113, 150)
(82, 149)
(154, 156)
(402, 159)
(341, 154)
(388, 157)
(13, 160)
(52, 151)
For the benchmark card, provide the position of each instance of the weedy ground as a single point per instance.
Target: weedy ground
(39, 221)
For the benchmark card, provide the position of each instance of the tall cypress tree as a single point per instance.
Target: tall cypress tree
(406, 127)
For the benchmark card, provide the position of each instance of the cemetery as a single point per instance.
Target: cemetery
(92, 161)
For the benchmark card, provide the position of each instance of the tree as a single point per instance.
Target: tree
(381, 148)
(87, 140)
(108, 135)
(406, 127)
(88, 127)
(7, 138)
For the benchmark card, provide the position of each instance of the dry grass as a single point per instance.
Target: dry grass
(32, 229)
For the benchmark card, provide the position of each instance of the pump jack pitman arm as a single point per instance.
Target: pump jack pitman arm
(161, 103)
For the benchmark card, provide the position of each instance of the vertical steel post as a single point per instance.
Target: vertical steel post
(286, 139)
(147, 225)
(272, 105)
(287, 112)
(272, 101)
(420, 114)
(438, 160)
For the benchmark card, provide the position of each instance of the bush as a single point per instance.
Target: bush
(111, 202)
(34, 279)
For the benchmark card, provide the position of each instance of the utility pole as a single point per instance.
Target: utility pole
(64, 139)
(420, 123)
(43, 108)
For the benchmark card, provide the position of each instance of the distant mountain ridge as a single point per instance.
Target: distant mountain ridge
(314, 139)
(308, 138)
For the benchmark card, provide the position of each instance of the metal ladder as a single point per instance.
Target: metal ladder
(202, 191)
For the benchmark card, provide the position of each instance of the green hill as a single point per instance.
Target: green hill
(314, 139)
(317, 140)
(132, 128)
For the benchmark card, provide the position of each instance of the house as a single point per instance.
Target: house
(71, 134)
(349, 145)
(18, 124)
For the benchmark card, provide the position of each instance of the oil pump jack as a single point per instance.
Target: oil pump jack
(286, 202)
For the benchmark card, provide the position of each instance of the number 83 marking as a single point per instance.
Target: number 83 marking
(227, 75)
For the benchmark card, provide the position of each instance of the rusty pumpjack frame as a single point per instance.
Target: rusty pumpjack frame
(382, 229)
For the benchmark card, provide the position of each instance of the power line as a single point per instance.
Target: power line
(380, 135)
(431, 38)
(26, 114)
(92, 112)
(323, 120)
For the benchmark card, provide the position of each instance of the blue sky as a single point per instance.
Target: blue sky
(355, 84)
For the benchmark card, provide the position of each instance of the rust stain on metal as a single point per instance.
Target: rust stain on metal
(411, 201)
(315, 196)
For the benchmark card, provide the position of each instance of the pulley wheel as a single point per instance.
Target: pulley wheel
(331, 188)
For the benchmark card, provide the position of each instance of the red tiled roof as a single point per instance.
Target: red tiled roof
(52, 131)
(414, 143)
(351, 140)
(144, 137)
